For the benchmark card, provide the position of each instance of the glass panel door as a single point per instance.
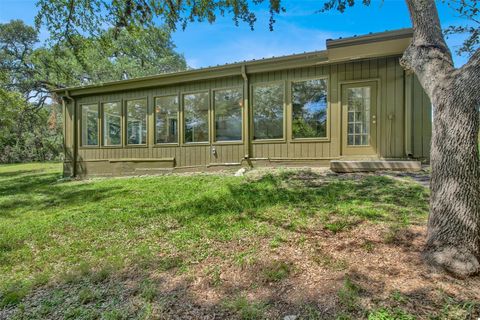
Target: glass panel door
(358, 101)
(359, 118)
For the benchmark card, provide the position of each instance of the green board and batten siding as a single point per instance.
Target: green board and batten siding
(422, 121)
(404, 122)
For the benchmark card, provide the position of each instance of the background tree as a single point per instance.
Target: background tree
(30, 122)
(111, 56)
(17, 41)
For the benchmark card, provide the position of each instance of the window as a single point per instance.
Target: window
(137, 122)
(195, 107)
(228, 115)
(112, 124)
(166, 119)
(358, 100)
(268, 111)
(89, 125)
(309, 109)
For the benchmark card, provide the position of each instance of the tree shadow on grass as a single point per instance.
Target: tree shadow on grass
(42, 190)
(25, 183)
(247, 201)
(367, 198)
(140, 294)
(8, 174)
(56, 197)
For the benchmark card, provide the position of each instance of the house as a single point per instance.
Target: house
(352, 101)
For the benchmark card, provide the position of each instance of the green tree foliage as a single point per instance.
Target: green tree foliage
(30, 125)
(17, 42)
(26, 134)
(67, 18)
(468, 9)
(112, 56)
(33, 70)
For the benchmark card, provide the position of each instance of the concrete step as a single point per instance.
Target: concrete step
(374, 165)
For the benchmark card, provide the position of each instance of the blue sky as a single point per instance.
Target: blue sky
(298, 30)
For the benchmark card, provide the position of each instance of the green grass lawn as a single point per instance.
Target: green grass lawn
(95, 240)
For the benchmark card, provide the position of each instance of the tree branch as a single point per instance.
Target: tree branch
(474, 60)
(428, 55)
(471, 71)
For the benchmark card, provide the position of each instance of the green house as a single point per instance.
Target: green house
(350, 102)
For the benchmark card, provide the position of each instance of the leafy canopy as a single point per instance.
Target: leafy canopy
(30, 122)
(67, 18)
(32, 69)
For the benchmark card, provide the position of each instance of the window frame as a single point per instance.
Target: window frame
(290, 107)
(125, 123)
(242, 109)
(378, 100)
(167, 144)
(122, 129)
(182, 118)
(80, 126)
(285, 115)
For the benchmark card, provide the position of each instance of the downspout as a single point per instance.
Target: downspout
(408, 113)
(64, 129)
(74, 142)
(246, 112)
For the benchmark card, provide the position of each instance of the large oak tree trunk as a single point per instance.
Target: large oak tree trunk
(453, 238)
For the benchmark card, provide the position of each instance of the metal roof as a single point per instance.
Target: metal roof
(235, 68)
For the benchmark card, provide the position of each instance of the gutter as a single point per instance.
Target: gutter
(370, 38)
(408, 113)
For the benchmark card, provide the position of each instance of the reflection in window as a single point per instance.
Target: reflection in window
(358, 100)
(196, 117)
(309, 109)
(112, 124)
(89, 125)
(166, 119)
(228, 115)
(137, 121)
(268, 101)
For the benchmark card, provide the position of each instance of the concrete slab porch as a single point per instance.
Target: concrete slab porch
(374, 165)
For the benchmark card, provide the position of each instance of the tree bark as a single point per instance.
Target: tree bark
(453, 236)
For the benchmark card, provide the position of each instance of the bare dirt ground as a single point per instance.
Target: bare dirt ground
(332, 276)
(384, 274)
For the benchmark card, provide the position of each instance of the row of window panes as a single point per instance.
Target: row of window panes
(309, 110)
(136, 113)
(358, 116)
(228, 119)
(309, 116)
